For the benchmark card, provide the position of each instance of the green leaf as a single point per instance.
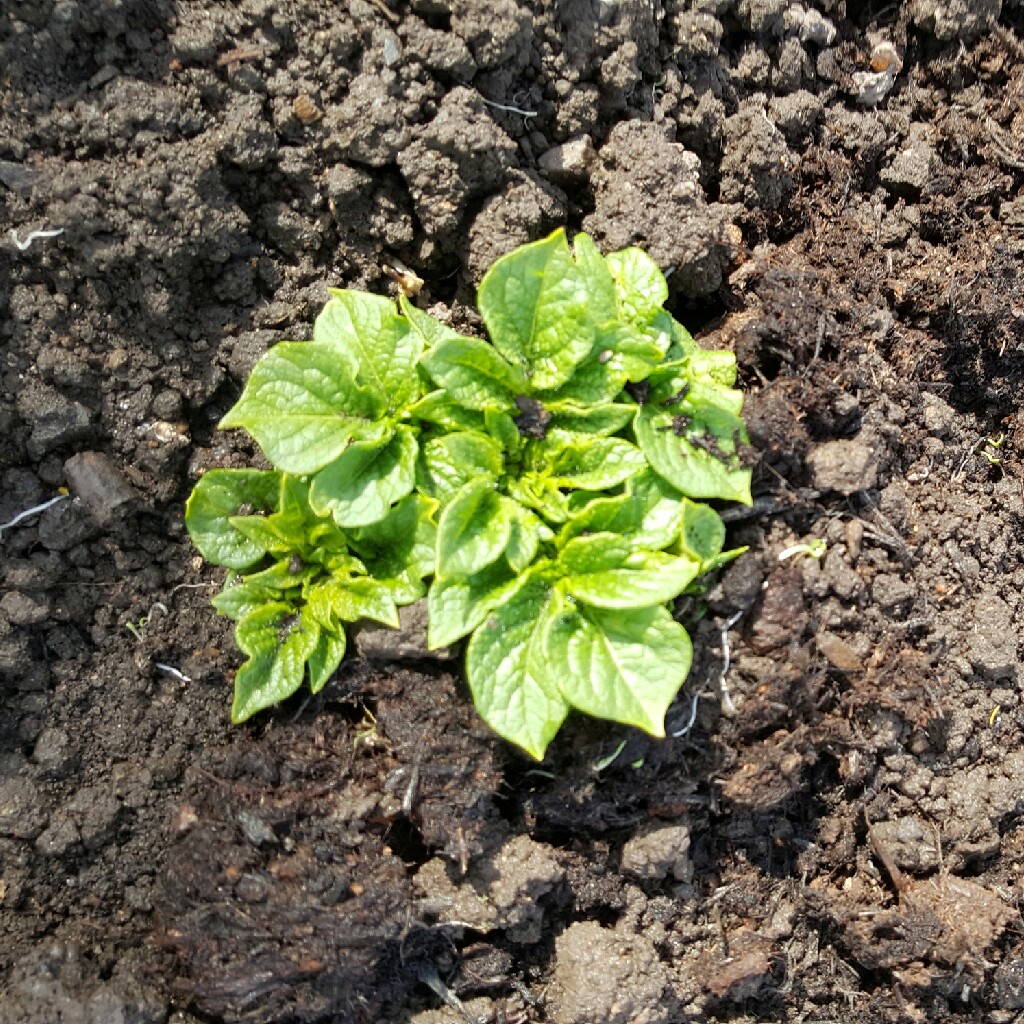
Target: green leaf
(597, 277)
(539, 308)
(502, 427)
(717, 366)
(649, 514)
(473, 531)
(375, 340)
(605, 419)
(524, 540)
(595, 381)
(691, 469)
(449, 462)
(265, 534)
(512, 688)
(439, 409)
(302, 406)
(626, 666)
(359, 487)
(595, 553)
(331, 601)
(326, 657)
(403, 542)
(278, 642)
(243, 594)
(591, 463)
(430, 330)
(644, 580)
(640, 287)
(703, 532)
(634, 351)
(456, 607)
(474, 374)
(219, 495)
(539, 492)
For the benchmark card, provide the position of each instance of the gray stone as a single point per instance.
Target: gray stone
(603, 976)
(570, 163)
(657, 851)
(992, 640)
(912, 170)
(377, 642)
(59, 838)
(23, 814)
(95, 810)
(54, 420)
(54, 752)
(17, 177)
(893, 594)
(22, 609)
(843, 466)
(65, 526)
(256, 830)
(938, 416)
(1009, 984)
(99, 485)
(910, 842)
(955, 19)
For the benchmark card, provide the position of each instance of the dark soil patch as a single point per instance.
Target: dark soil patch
(833, 831)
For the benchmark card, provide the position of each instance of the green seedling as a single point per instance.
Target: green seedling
(544, 488)
(814, 548)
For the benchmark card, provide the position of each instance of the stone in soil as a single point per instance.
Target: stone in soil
(605, 976)
(98, 484)
(844, 466)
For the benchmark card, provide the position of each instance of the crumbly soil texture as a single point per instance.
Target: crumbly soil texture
(832, 830)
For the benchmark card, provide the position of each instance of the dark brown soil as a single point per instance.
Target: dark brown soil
(834, 830)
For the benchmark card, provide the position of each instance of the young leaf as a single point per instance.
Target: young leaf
(527, 533)
(597, 278)
(278, 642)
(703, 533)
(594, 552)
(326, 657)
(473, 531)
(692, 470)
(640, 287)
(604, 419)
(243, 594)
(402, 543)
(302, 406)
(474, 374)
(513, 689)
(430, 330)
(718, 366)
(456, 607)
(219, 495)
(451, 461)
(350, 599)
(539, 492)
(539, 310)
(591, 463)
(649, 514)
(376, 340)
(643, 580)
(623, 665)
(439, 409)
(360, 486)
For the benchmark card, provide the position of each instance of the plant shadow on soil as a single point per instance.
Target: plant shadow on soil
(835, 834)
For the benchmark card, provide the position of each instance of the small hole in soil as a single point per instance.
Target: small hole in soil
(406, 841)
(696, 315)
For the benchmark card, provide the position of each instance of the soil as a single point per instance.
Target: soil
(833, 830)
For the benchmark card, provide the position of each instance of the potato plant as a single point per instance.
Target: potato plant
(543, 488)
